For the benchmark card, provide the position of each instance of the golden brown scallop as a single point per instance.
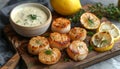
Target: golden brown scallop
(77, 33)
(61, 25)
(77, 50)
(58, 40)
(36, 44)
(49, 56)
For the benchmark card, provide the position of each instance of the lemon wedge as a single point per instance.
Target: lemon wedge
(102, 41)
(90, 21)
(111, 28)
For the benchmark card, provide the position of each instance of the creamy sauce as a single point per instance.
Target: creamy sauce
(30, 16)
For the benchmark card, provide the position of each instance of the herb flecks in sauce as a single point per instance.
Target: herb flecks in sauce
(32, 16)
(18, 21)
(48, 52)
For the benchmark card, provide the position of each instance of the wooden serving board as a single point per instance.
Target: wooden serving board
(20, 43)
(12, 63)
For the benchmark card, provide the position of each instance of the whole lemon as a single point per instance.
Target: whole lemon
(66, 7)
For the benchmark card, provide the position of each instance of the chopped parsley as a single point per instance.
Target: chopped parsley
(77, 16)
(104, 41)
(48, 52)
(90, 21)
(38, 42)
(32, 16)
(90, 48)
(18, 21)
(66, 59)
(47, 34)
(89, 33)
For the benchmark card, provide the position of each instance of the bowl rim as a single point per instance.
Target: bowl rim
(36, 4)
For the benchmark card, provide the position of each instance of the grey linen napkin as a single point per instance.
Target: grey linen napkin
(5, 50)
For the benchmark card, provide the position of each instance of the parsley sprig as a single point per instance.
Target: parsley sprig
(66, 59)
(32, 16)
(90, 33)
(90, 48)
(90, 22)
(48, 52)
(111, 11)
(76, 17)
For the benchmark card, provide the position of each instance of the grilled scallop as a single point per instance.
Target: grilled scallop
(49, 56)
(77, 33)
(61, 25)
(36, 44)
(77, 50)
(58, 40)
(102, 41)
(90, 21)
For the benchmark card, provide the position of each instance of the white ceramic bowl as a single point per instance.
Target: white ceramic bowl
(31, 31)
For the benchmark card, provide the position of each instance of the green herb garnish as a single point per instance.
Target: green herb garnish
(89, 33)
(32, 16)
(111, 11)
(66, 59)
(90, 22)
(48, 52)
(38, 42)
(47, 34)
(76, 17)
(90, 48)
(18, 21)
(104, 41)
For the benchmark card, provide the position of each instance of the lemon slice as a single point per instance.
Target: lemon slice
(90, 21)
(111, 28)
(102, 41)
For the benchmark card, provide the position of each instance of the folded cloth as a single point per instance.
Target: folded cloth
(5, 50)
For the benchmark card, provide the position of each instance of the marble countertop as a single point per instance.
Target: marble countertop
(6, 53)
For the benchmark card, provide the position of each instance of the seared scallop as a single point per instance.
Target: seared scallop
(90, 21)
(77, 33)
(49, 56)
(58, 40)
(77, 50)
(36, 44)
(61, 25)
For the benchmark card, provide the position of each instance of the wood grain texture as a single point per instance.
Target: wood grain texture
(11, 64)
(20, 43)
